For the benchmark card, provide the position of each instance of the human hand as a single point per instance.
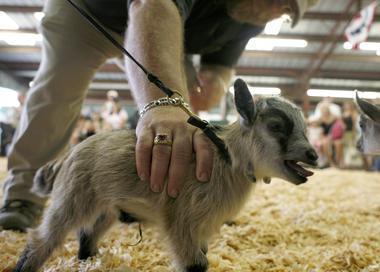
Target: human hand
(155, 162)
(208, 92)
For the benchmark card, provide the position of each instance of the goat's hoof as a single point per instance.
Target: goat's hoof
(86, 254)
(196, 268)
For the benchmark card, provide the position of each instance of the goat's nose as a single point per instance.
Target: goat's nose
(311, 154)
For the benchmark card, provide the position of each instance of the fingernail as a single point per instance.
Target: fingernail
(155, 188)
(204, 177)
(173, 193)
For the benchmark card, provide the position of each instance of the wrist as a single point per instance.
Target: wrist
(177, 101)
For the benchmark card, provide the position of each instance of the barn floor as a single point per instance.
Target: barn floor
(332, 223)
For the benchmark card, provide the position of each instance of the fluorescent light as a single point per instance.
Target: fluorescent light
(39, 15)
(268, 44)
(347, 45)
(259, 44)
(8, 98)
(265, 91)
(367, 46)
(110, 85)
(342, 93)
(20, 39)
(7, 22)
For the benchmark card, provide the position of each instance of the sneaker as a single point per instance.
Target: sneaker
(19, 215)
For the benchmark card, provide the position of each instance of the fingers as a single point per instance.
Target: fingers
(170, 161)
(204, 156)
(180, 161)
(144, 154)
(161, 154)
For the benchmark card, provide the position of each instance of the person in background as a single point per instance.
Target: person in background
(112, 96)
(334, 108)
(85, 128)
(159, 33)
(337, 133)
(98, 121)
(113, 115)
(350, 117)
(332, 134)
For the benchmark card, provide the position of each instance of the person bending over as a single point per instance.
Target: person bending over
(159, 34)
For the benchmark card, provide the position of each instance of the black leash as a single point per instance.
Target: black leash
(194, 120)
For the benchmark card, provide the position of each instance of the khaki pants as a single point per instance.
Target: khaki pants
(72, 51)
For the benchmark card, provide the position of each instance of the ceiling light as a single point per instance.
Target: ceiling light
(347, 45)
(8, 98)
(367, 46)
(7, 22)
(342, 93)
(370, 46)
(20, 39)
(110, 85)
(268, 44)
(39, 15)
(265, 91)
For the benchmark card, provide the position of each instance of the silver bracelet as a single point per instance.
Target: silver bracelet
(165, 101)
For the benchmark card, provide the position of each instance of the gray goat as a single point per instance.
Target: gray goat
(369, 141)
(97, 181)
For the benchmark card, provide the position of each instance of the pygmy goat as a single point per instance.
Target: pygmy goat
(97, 181)
(369, 141)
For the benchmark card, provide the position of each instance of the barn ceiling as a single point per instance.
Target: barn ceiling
(323, 63)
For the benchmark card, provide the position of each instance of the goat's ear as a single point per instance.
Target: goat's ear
(244, 102)
(368, 109)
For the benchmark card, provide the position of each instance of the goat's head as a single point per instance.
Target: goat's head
(369, 141)
(274, 137)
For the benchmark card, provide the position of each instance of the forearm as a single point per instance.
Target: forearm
(155, 38)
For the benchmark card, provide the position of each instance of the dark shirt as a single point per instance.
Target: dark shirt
(326, 127)
(209, 31)
(349, 122)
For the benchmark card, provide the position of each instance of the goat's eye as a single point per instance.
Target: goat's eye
(361, 124)
(275, 127)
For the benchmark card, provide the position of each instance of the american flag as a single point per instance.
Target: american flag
(358, 29)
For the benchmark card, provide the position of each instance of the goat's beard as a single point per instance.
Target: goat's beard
(249, 11)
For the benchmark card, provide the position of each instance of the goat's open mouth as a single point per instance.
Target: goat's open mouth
(297, 170)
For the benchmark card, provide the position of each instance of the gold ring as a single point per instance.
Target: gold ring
(162, 139)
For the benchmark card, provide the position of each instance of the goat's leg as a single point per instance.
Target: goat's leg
(89, 237)
(189, 249)
(47, 237)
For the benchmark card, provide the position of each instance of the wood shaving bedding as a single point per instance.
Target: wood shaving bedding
(330, 224)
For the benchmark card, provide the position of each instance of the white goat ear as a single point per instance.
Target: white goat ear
(368, 109)
(244, 102)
